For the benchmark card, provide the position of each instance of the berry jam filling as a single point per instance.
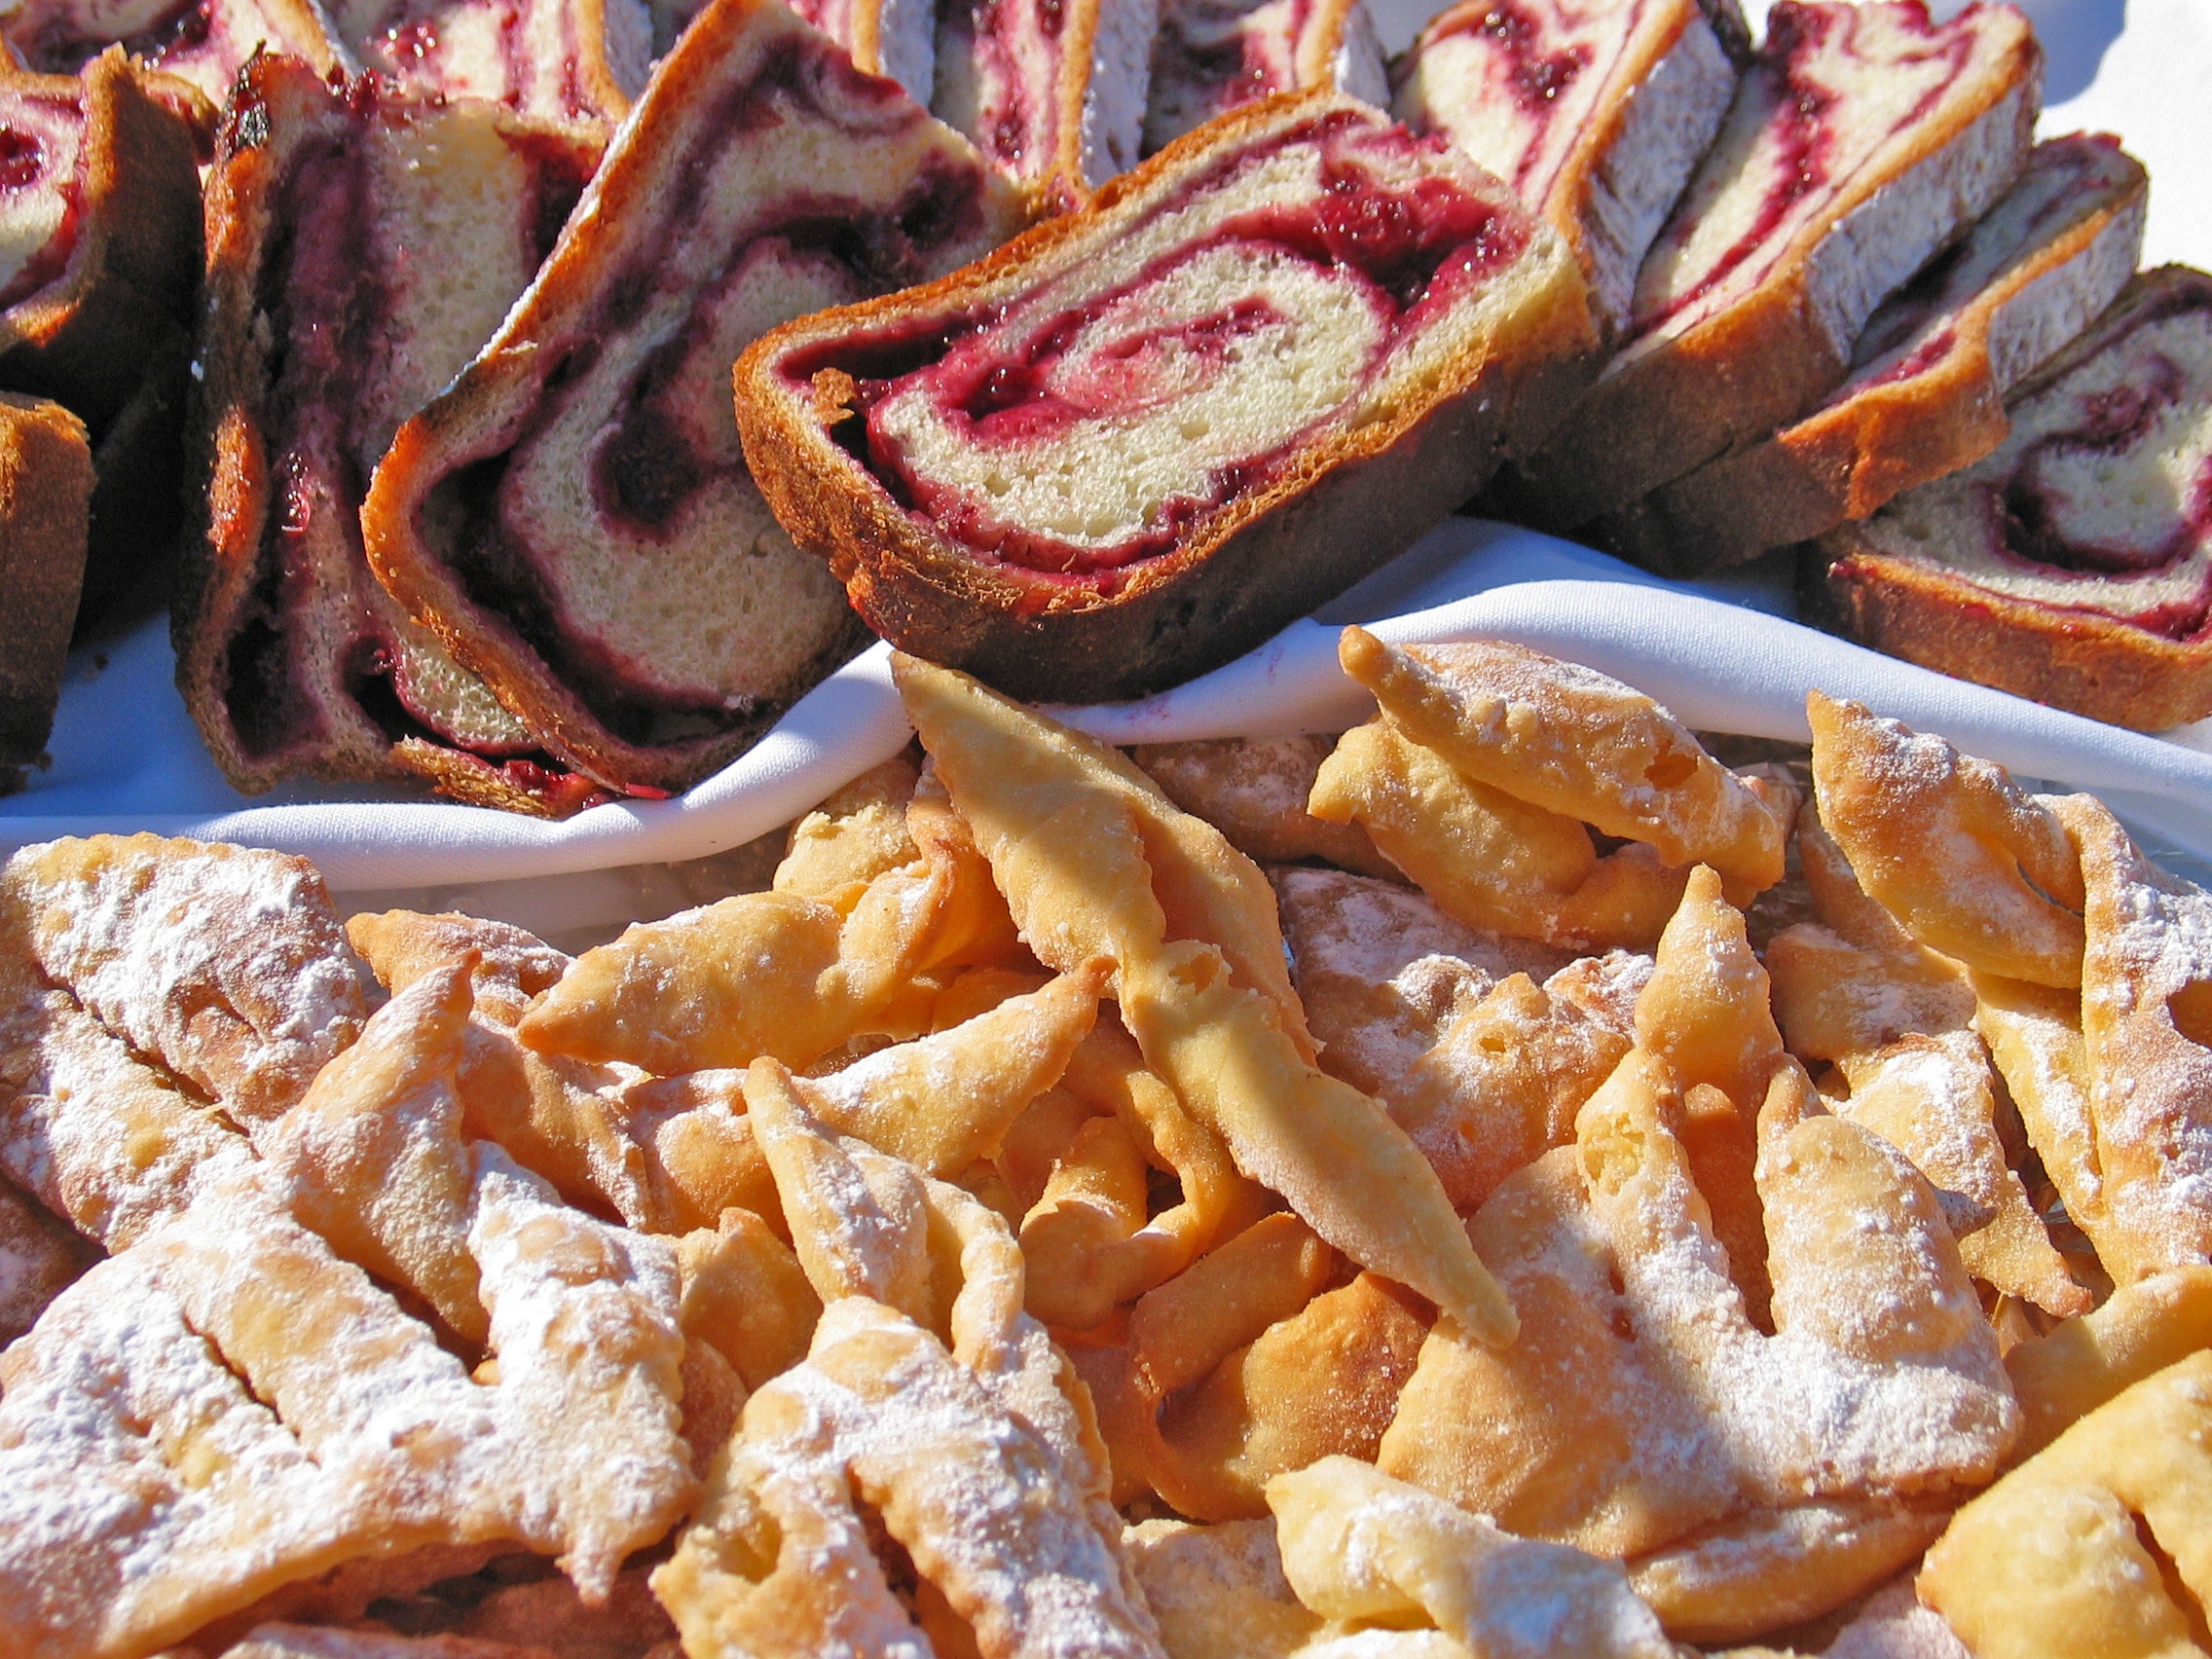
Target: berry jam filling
(1531, 75)
(640, 402)
(963, 416)
(40, 192)
(330, 320)
(1806, 91)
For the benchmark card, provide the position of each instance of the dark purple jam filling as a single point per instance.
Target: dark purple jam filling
(1004, 382)
(22, 167)
(1534, 76)
(328, 316)
(649, 467)
(1799, 120)
(58, 48)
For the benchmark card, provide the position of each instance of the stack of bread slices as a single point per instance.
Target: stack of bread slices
(470, 507)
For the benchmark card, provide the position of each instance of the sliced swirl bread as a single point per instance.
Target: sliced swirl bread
(365, 243)
(46, 487)
(202, 43)
(552, 59)
(1928, 381)
(573, 517)
(895, 38)
(1863, 139)
(1143, 437)
(1596, 113)
(99, 233)
(2073, 564)
(1211, 56)
(1052, 91)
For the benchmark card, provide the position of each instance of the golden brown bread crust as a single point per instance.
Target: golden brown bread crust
(1739, 375)
(1844, 460)
(86, 338)
(2075, 660)
(45, 488)
(1338, 512)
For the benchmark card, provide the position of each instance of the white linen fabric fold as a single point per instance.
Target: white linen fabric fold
(1713, 655)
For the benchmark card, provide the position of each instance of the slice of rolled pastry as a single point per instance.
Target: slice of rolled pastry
(1211, 56)
(1145, 436)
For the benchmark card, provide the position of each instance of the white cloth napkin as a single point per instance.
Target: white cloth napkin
(1716, 656)
(128, 757)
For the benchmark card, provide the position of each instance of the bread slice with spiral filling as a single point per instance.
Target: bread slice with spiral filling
(1929, 377)
(893, 38)
(572, 517)
(202, 43)
(1596, 113)
(99, 233)
(1143, 437)
(1211, 56)
(365, 243)
(2073, 564)
(1862, 140)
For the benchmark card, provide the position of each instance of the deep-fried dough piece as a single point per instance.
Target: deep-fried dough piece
(1449, 1027)
(1322, 1382)
(38, 1259)
(374, 1160)
(1094, 862)
(2076, 1367)
(1358, 1545)
(561, 1118)
(2051, 1561)
(1569, 739)
(746, 1296)
(1254, 791)
(1895, 1017)
(1971, 864)
(227, 1408)
(1085, 1239)
(1219, 1592)
(546, 1613)
(226, 963)
(311, 1642)
(2146, 1039)
(856, 834)
(945, 1100)
(97, 1136)
(701, 1157)
(1380, 968)
(977, 1461)
(1625, 1418)
(1487, 857)
(1772, 1567)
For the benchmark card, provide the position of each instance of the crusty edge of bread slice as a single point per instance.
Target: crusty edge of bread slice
(86, 337)
(1843, 462)
(1337, 512)
(2077, 661)
(1662, 410)
(45, 488)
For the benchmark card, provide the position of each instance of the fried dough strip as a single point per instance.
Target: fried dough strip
(2076, 1366)
(1358, 1545)
(561, 1118)
(2052, 1559)
(1951, 846)
(227, 964)
(1095, 862)
(1571, 741)
(1488, 858)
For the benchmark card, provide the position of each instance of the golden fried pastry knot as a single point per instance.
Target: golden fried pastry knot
(1489, 766)
(1355, 1564)
(2071, 1370)
(2099, 1546)
(38, 1257)
(928, 1403)
(1361, 1548)
(227, 1408)
(1896, 1018)
(1481, 1047)
(226, 965)
(322, 1642)
(1643, 1415)
(1967, 861)
(781, 974)
(1096, 863)
(1254, 791)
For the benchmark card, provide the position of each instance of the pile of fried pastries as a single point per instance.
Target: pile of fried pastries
(1496, 1182)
